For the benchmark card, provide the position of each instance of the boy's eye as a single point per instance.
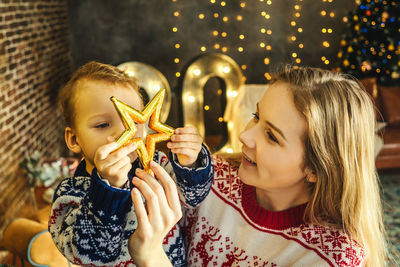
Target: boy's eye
(102, 125)
(255, 116)
(271, 136)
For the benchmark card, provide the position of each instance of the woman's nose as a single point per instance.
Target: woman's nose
(246, 137)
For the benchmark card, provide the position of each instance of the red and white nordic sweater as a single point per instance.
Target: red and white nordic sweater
(229, 228)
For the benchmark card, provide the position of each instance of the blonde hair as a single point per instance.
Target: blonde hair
(339, 148)
(90, 71)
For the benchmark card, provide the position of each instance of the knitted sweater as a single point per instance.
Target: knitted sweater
(91, 222)
(229, 228)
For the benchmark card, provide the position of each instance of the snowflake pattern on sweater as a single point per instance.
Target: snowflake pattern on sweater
(91, 222)
(229, 228)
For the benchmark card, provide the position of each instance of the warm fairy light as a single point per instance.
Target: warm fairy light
(297, 14)
(223, 3)
(220, 119)
(266, 61)
(269, 2)
(203, 48)
(212, 1)
(176, 13)
(325, 43)
(323, 30)
(298, 60)
(294, 55)
(217, 46)
(268, 47)
(323, 13)
(297, 7)
(269, 32)
(267, 16)
(191, 99)
(216, 15)
(178, 74)
(225, 19)
(323, 58)
(326, 62)
(241, 37)
(329, 30)
(301, 45)
(262, 44)
(239, 18)
(174, 29)
(240, 49)
(201, 16)
(196, 72)
(332, 14)
(262, 30)
(293, 23)
(244, 67)
(293, 38)
(267, 76)
(215, 33)
(177, 46)
(263, 13)
(242, 5)
(300, 29)
(224, 34)
(224, 49)
(206, 107)
(176, 60)
(219, 92)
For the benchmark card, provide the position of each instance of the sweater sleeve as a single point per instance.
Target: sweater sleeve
(88, 218)
(194, 183)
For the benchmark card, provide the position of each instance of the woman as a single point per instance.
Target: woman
(306, 192)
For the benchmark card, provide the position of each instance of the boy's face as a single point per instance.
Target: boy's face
(96, 117)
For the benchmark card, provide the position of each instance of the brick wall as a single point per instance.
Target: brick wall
(35, 60)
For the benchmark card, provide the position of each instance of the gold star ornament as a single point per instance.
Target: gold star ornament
(130, 116)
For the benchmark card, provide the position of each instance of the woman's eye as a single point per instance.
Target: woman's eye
(102, 125)
(272, 137)
(255, 116)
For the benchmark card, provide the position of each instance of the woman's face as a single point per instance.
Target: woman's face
(273, 143)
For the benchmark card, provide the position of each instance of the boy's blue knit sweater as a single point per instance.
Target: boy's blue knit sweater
(91, 222)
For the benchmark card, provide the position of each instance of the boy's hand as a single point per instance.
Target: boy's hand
(112, 164)
(186, 144)
(155, 218)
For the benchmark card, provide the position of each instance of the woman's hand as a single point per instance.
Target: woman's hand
(186, 144)
(113, 164)
(155, 218)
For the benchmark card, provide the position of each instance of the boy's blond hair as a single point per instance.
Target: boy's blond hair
(90, 71)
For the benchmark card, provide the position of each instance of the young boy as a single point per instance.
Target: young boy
(92, 215)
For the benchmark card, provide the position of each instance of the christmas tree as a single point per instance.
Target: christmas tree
(371, 46)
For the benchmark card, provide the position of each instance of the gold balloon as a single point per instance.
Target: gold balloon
(130, 115)
(151, 80)
(197, 74)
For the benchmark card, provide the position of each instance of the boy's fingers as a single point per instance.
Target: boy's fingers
(189, 145)
(116, 155)
(105, 150)
(186, 130)
(187, 138)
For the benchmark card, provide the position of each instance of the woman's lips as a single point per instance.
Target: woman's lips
(247, 161)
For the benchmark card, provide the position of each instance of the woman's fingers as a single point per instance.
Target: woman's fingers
(152, 204)
(140, 210)
(169, 186)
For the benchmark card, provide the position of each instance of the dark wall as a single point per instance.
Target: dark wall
(141, 30)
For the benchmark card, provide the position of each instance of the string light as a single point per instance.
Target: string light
(327, 31)
(265, 33)
(296, 29)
